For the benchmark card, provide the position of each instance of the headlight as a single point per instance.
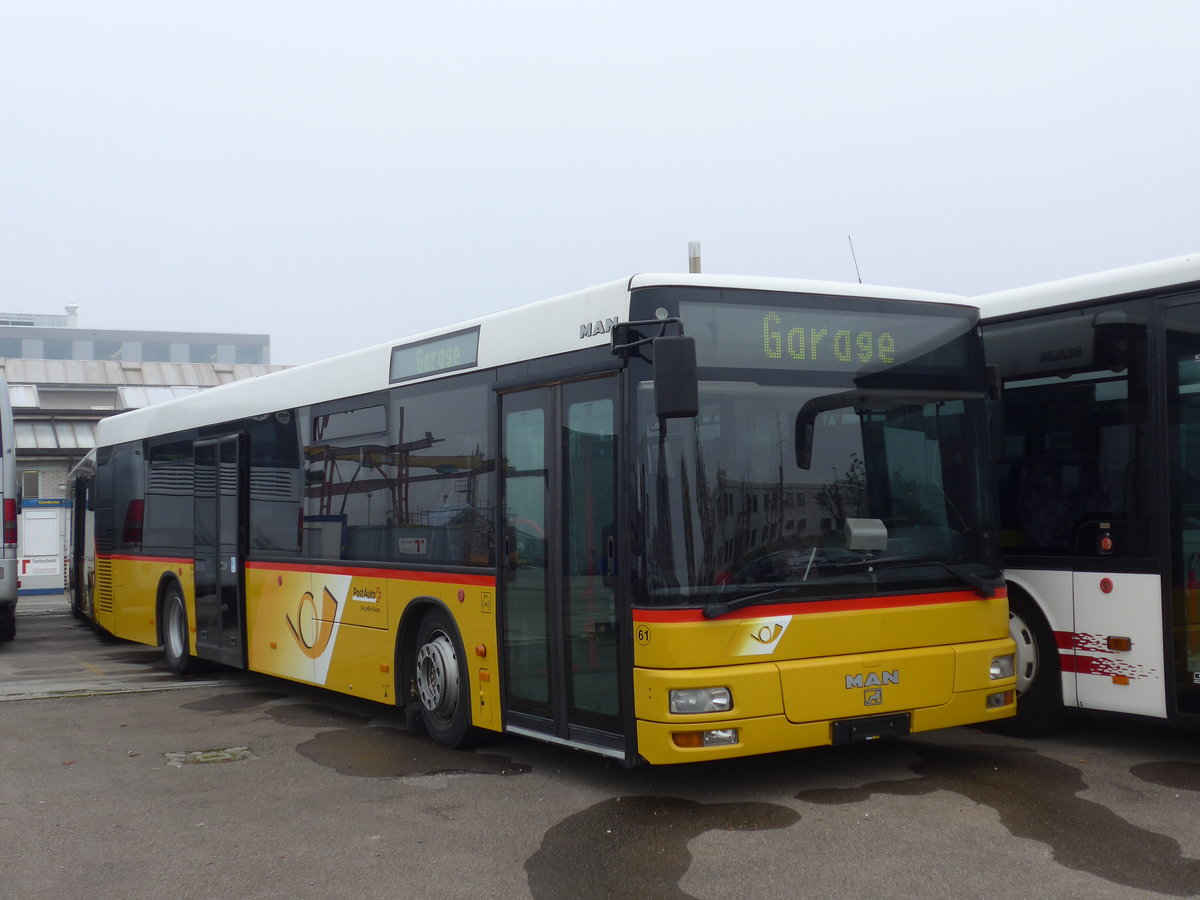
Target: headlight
(688, 701)
(1002, 667)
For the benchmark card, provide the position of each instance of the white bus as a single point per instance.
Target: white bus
(669, 518)
(1099, 475)
(8, 518)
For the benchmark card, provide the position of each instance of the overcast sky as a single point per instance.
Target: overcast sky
(335, 174)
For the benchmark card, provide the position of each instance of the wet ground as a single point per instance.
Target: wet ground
(123, 781)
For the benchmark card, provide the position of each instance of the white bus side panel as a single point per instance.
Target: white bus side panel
(1119, 681)
(1083, 616)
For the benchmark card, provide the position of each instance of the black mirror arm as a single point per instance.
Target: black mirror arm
(621, 346)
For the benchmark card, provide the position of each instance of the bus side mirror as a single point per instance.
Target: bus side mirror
(805, 420)
(676, 389)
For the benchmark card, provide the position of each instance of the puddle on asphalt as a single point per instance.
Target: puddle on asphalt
(1182, 776)
(636, 846)
(1038, 798)
(379, 752)
(141, 657)
(234, 702)
(313, 715)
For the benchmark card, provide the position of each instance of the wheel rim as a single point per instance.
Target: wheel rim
(176, 645)
(437, 675)
(1027, 655)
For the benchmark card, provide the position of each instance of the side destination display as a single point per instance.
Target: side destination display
(437, 355)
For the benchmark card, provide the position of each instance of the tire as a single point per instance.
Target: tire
(175, 634)
(1039, 677)
(8, 627)
(443, 686)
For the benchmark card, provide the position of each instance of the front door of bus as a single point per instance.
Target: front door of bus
(1181, 338)
(218, 561)
(558, 587)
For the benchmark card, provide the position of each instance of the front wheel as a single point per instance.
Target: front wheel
(442, 683)
(1039, 677)
(176, 633)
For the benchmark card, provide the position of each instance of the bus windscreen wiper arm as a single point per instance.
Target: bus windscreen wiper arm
(721, 607)
(983, 586)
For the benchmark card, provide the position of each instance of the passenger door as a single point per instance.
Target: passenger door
(558, 588)
(218, 551)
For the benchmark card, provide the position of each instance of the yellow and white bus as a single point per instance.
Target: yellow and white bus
(669, 518)
(1100, 494)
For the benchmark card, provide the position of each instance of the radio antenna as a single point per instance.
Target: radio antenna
(854, 257)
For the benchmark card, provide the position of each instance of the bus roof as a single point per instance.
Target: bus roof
(1081, 289)
(540, 329)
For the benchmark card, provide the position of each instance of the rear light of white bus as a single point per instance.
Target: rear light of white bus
(10, 523)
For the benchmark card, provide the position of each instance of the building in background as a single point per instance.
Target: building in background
(63, 379)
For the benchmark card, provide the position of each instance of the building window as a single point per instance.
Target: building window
(56, 350)
(10, 347)
(202, 353)
(156, 351)
(248, 354)
(107, 349)
(29, 484)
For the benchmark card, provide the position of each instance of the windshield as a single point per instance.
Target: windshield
(792, 490)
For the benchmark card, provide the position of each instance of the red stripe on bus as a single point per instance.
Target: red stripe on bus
(812, 608)
(1103, 666)
(404, 574)
(169, 560)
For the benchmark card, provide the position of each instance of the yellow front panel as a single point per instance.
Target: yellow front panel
(794, 673)
(861, 685)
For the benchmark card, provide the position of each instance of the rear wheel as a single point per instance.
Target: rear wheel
(176, 633)
(443, 687)
(8, 627)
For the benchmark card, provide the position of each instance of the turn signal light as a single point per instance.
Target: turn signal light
(1003, 698)
(716, 738)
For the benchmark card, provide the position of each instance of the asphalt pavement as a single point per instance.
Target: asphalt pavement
(123, 781)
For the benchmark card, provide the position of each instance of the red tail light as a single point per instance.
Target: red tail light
(134, 513)
(10, 522)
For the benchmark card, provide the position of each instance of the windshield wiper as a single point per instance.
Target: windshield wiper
(985, 587)
(719, 607)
